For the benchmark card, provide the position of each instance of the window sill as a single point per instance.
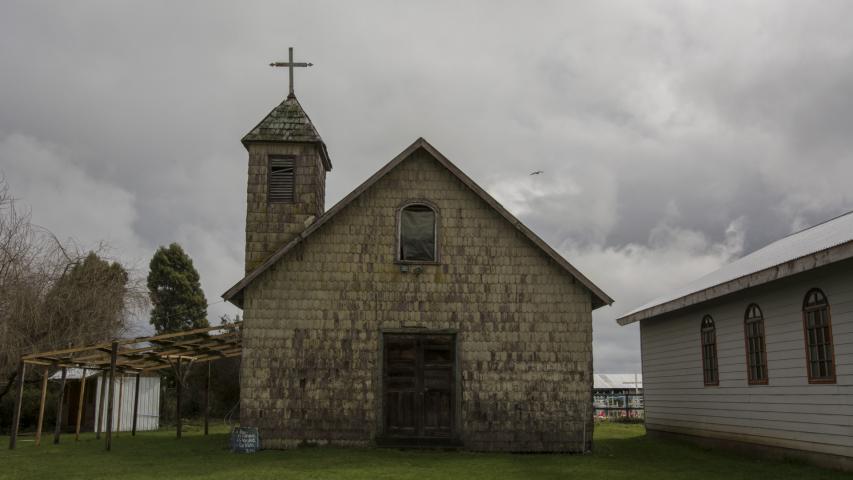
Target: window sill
(417, 262)
(824, 381)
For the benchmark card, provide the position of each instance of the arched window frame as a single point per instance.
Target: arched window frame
(708, 341)
(397, 245)
(755, 344)
(820, 305)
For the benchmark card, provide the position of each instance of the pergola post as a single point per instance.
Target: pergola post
(19, 396)
(178, 401)
(57, 430)
(102, 398)
(120, 401)
(40, 423)
(135, 405)
(80, 401)
(140, 354)
(113, 358)
(207, 399)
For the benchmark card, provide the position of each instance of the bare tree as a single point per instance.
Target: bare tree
(53, 294)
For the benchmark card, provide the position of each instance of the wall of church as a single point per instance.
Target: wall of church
(312, 325)
(271, 225)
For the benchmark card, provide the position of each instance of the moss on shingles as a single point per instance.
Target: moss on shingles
(287, 122)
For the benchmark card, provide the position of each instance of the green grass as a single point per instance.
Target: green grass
(621, 452)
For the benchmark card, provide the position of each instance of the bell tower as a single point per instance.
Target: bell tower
(286, 191)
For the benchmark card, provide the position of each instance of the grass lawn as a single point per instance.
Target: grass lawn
(621, 452)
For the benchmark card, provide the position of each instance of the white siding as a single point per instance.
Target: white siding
(788, 412)
(149, 404)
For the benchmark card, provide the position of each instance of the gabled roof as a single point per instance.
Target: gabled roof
(235, 293)
(288, 122)
(822, 244)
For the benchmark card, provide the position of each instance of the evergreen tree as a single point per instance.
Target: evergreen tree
(175, 291)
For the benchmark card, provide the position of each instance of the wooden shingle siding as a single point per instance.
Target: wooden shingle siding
(787, 412)
(271, 221)
(313, 325)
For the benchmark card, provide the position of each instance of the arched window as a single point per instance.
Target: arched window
(756, 351)
(817, 325)
(418, 233)
(709, 352)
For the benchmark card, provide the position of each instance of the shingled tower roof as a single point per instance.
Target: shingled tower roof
(288, 122)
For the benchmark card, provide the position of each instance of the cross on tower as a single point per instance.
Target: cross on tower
(290, 64)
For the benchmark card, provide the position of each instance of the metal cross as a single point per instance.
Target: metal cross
(290, 64)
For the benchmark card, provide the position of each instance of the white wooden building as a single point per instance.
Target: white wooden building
(148, 412)
(758, 355)
(617, 395)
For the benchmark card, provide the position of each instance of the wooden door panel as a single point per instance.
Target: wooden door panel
(438, 355)
(401, 417)
(437, 409)
(401, 388)
(418, 385)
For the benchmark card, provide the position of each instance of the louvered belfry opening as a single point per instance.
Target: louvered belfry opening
(281, 179)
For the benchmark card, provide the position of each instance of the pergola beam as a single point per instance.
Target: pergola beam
(193, 343)
(108, 346)
(139, 355)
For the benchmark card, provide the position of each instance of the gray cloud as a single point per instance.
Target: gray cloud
(673, 136)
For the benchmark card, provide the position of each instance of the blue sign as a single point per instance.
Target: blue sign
(245, 440)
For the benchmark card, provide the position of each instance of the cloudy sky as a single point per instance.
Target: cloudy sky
(674, 136)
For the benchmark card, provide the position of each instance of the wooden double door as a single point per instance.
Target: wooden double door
(418, 386)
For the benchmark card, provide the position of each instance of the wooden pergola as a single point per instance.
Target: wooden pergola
(133, 356)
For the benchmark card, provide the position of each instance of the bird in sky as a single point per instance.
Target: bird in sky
(537, 172)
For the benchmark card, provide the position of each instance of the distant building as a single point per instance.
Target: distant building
(759, 354)
(618, 395)
(148, 411)
(415, 311)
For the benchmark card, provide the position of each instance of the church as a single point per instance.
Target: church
(417, 311)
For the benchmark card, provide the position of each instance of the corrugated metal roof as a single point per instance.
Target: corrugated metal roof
(823, 236)
(74, 374)
(617, 381)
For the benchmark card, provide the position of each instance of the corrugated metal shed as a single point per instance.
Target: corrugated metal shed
(149, 403)
(819, 238)
(617, 381)
(149, 399)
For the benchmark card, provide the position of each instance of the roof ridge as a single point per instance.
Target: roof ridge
(774, 242)
(809, 228)
(770, 262)
(764, 247)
